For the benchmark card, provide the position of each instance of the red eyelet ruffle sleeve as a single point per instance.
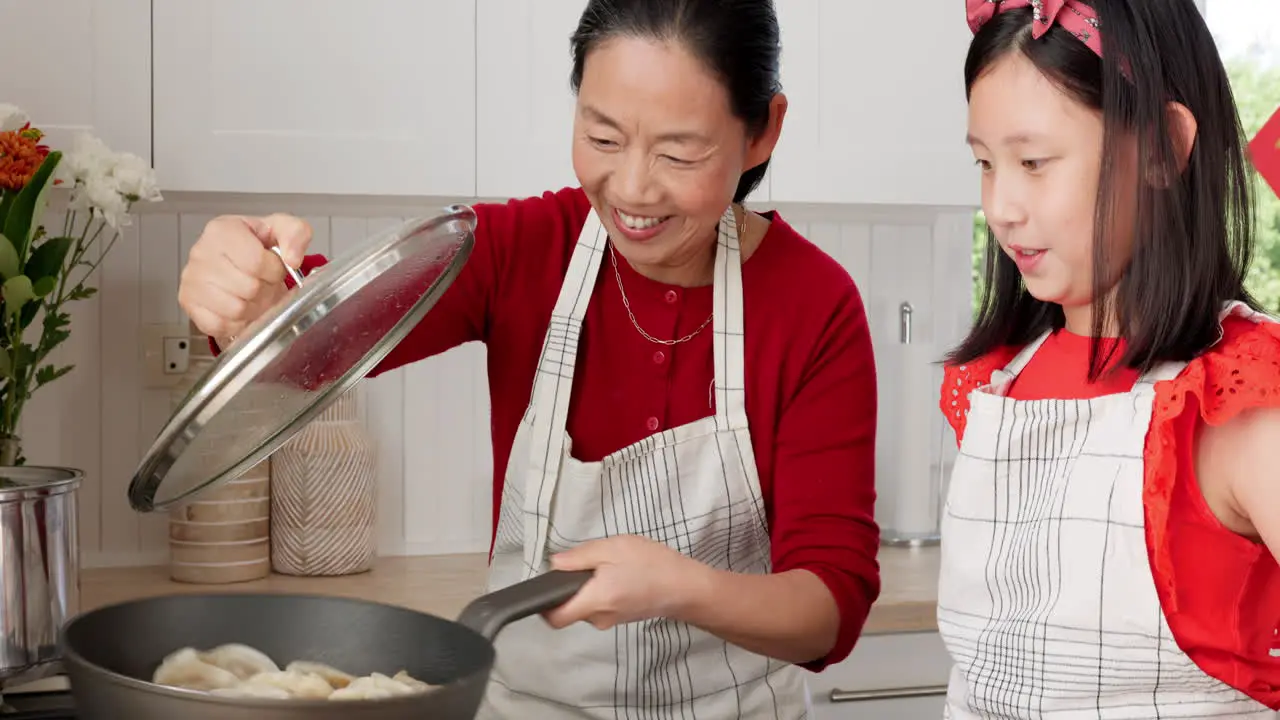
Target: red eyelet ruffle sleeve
(960, 380)
(1220, 592)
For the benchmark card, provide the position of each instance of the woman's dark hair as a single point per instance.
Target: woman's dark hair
(737, 39)
(1193, 231)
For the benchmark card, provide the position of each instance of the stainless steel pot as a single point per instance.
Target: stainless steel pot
(39, 568)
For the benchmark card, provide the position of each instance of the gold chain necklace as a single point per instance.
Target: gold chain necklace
(627, 303)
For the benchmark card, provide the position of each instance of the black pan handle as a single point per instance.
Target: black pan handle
(488, 614)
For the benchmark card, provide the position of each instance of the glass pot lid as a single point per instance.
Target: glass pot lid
(301, 355)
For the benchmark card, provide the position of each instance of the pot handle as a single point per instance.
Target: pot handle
(488, 614)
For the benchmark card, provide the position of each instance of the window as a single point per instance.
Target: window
(1248, 36)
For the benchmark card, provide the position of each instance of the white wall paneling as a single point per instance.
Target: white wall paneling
(431, 419)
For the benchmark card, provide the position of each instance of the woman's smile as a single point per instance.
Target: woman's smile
(639, 228)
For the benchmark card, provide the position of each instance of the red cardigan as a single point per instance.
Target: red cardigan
(1219, 591)
(810, 375)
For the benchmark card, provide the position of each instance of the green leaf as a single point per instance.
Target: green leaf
(28, 315)
(44, 286)
(8, 258)
(46, 260)
(49, 373)
(23, 356)
(17, 292)
(6, 202)
(82, 293)
(55, 330)
(24, 215)
(57, 320)
(6, 366)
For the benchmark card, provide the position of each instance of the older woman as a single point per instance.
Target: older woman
(712, 457)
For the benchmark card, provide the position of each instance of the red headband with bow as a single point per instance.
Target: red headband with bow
(1075, 16)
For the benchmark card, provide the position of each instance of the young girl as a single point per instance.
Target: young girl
(1113, 520)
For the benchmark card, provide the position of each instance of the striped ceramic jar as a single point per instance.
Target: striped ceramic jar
(324, 495)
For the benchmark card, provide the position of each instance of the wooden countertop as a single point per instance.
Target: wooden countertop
(908, 591)
(444, 584)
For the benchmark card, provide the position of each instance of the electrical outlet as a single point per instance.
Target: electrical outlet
(176, 353)
(166, 352)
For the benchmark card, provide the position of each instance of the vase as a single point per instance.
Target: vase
(225, 535)
(324, 495)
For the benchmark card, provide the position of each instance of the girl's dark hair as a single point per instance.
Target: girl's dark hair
(1192, 232)
(737, 39)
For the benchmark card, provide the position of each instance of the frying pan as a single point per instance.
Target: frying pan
(111, 652)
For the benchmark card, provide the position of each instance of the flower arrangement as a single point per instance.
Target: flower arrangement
(40, 272)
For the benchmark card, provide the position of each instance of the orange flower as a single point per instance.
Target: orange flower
(20, 156)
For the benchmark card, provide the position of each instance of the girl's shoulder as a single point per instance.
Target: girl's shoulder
(1238, 373)
(1241, 371)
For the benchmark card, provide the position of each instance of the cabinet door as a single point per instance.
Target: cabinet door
(80, 65)
(316, 96)
(886, 676)
(877, 111)
(524, 106)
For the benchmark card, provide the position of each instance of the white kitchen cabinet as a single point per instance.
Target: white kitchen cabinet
(315, 96)
(80, 65)
(524, 106)
(877, 110)
(461, 98)
(886, 677)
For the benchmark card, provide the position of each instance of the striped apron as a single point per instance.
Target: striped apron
(1046, 600)
(694, 488)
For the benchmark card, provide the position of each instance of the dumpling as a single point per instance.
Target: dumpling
(239, 671)
(185, 669)
(372, 687)
(361, 692)
(242, 660)
(297, 684)
(404, 678)
(335, 677)
(249, 690)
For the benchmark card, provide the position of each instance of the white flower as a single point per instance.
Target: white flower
(89, 156)
(11, 117)
(135, 179)
(106, 182)
(104, 198)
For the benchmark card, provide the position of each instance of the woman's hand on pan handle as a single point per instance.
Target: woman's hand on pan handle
(789, 615)
(635, 579)
(231, 277)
